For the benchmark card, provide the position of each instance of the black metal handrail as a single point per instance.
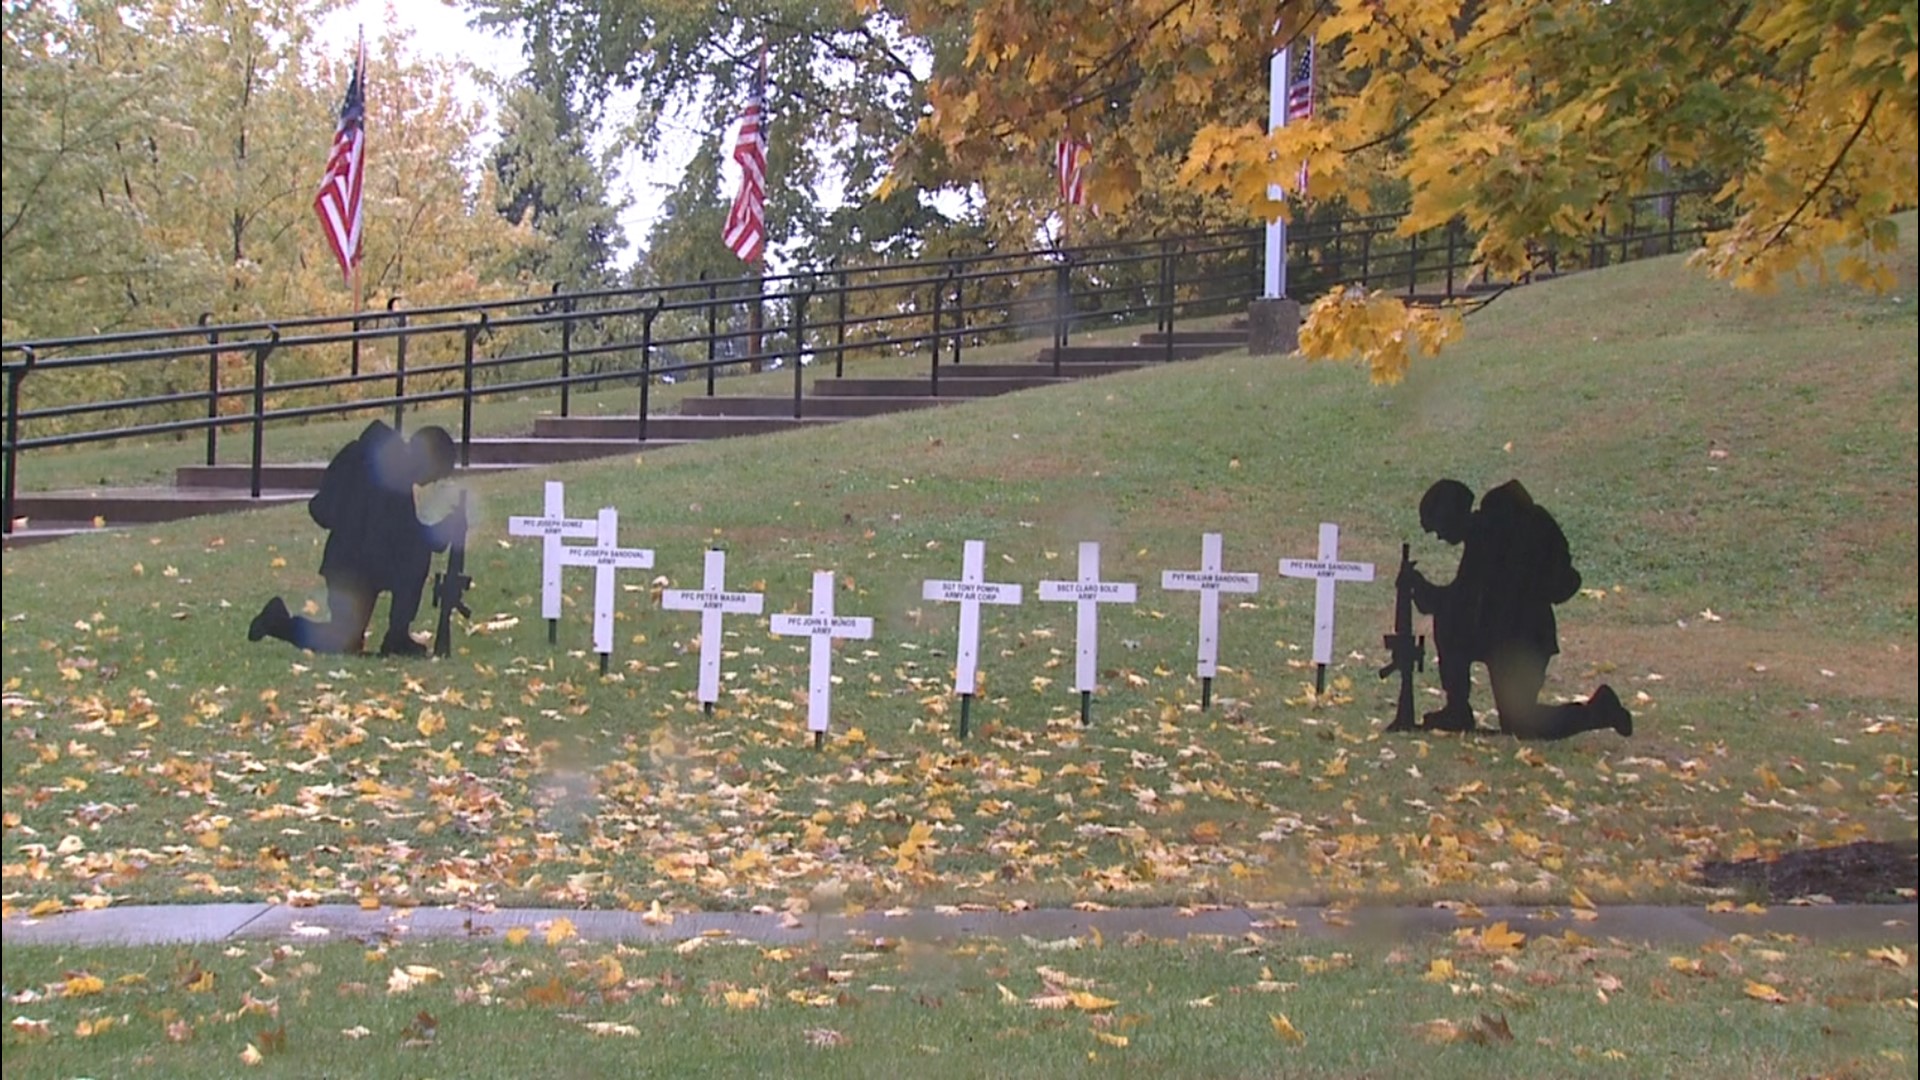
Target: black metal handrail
(288, 369)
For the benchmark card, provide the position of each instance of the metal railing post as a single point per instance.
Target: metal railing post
(799, 302)
(1163, 321)
(1339, 249)
(213, 390)
(713, 326)
(959, 311)
(260, 353)
(934, 376)
(15, 375)
(840, 325)
(1413, 264)
(1453, 234)
(1062, 298)
(566, 354)
(399, 363)
(353, 350)
(646, 364)
(471, 335)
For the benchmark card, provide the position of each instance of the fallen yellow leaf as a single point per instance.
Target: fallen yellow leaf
(1892, 954)
(83, 985)
(1089, 1002)
(518, 935)
(1498, 938)
(560, 930)
(1760, 991)
(1284, 1028)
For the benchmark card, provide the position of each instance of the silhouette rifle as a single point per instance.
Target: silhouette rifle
(451, 585)
(1409, 652)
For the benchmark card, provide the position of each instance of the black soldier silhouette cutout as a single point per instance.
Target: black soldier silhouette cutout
(375, 543)
(1498, 609)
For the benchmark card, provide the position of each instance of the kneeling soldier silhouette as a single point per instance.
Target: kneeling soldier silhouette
(376, 542)
(1498, 609)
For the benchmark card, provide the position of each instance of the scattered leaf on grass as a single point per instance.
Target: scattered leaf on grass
(607, 1029)
(1284, 1028)
(825, 1037)
(1484, 1030)
(1760, 991)
(1892, 955)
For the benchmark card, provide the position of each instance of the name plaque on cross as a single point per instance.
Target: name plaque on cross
(606, 558)
(823, 626)
(554, 527)
(712, 601)
(1326, 572)
(1088, 592)
(1209, 581)
(969, 592)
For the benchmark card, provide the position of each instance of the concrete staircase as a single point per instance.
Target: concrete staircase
(219, 489)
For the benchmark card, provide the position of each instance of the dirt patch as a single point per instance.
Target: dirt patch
(1866, 872)
(1731, 658)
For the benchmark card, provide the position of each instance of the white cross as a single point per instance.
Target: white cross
(1325, 570)
(552, 526)
(1089, 592)
(822, 626)
(1209, 581)
(712, 601)
(969, 592)
(605, 557)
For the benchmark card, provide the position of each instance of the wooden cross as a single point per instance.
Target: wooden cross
(712, 601)
(823, 626)
(969, 592)
(1089, 592)
(1325, 571)
(553, 526)
(1209, 581)
(606, 557)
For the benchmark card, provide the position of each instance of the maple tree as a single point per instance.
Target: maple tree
(1535, 124)
(162, 156)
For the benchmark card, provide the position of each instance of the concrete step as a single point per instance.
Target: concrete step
(1025, 369)
(43, 532)
(282, 476)
(143, 506)
(1126, 354)
(670, 426)
(1225, 339)
(959, 387)
(527, 450)
(838, 407)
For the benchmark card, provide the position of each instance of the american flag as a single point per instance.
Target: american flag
(1300, 99)
(338, 201)
(1070, 160)
(746, 233)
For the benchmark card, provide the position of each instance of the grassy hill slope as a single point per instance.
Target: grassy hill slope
(1736, 474)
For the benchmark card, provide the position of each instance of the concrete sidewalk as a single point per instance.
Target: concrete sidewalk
(209, 923)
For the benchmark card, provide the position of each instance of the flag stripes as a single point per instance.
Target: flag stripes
(1299, 104)
(338, 201)
(1070, 161)
(746, 230)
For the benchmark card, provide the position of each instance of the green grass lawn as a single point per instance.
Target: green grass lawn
(1531, 1000)
(1736, 475)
